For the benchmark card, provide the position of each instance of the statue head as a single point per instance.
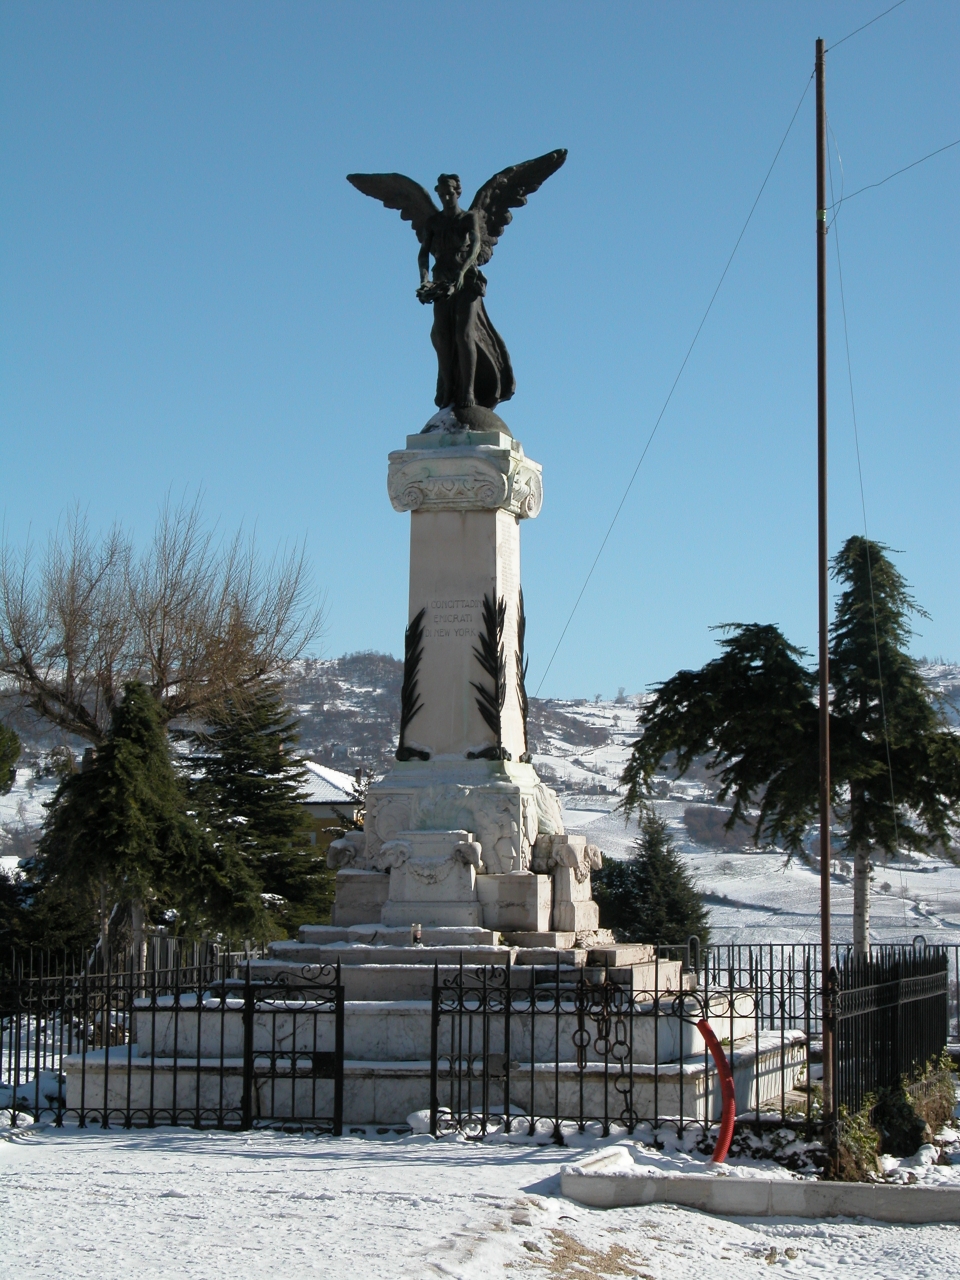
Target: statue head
(448, 189)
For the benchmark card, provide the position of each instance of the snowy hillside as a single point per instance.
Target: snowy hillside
(347, 710)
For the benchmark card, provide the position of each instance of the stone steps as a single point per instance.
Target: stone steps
(379, 934)
(352, 953)
(406, 973)
(385, 982)
(401, 1030)
(387, 1092)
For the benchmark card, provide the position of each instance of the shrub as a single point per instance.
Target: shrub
(651, 896)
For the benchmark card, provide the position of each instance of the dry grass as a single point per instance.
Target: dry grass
(571, 1260)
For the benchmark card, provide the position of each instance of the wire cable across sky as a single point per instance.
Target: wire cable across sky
(673, 386)
(850, 34)
(896, 173)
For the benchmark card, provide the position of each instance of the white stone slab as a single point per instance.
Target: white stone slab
(518, 901)
(360, 896)
(457, 558)
(571, 885)
(576, 917)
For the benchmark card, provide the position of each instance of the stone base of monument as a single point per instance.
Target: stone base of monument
(387, 1078)
(463, 849)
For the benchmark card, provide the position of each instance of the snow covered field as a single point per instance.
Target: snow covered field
(760, 897)
(176, 1203)
(752, 896)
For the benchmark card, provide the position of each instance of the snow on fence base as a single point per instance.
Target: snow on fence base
(605, 1181)
(154, 1090)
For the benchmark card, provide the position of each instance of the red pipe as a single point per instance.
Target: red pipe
(727, 1092)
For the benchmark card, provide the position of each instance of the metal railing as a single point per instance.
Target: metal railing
(763, 963)
(199, 1044)
(553, 1051)
(183, 1037)
(890, 1019)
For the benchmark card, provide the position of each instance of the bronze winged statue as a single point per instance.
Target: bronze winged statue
(473, 363)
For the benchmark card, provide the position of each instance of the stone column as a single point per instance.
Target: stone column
(467, 493)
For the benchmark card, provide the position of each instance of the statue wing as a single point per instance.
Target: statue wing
(508, 190)
(398, 192)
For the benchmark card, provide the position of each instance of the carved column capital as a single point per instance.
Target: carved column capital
(465, 478)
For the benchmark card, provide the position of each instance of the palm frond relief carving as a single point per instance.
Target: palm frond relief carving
(523, 663)
(410, 702)
(490, 655)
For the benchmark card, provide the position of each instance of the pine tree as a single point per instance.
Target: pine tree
(247, 780)
(9, 755)
(651, 896)
(895, 765)
(121, 832)
(891, 746)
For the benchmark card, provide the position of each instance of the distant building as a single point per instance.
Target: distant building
(331, 799)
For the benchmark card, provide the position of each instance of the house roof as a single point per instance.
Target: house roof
(327, 786)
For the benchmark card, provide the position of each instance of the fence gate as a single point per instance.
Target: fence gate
(293, 1052)
(198, 1045)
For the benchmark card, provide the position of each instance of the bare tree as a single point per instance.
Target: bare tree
(193, 616)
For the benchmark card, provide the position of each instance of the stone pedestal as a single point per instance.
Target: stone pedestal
(519, 902)
(469, 834)
(433, 879)
(467, 492)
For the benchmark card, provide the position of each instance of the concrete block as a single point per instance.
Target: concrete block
(563, 941)
(567, 888)
(360, 896)
(665, 976)
(516, 901)
(576, 917)
(607, 1181)
(540, 956)
(616, 957)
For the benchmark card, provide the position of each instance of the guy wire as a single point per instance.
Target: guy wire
(851, 34)
(896, 174)
(673, 387)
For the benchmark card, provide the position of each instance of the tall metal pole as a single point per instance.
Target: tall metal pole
(823, 565)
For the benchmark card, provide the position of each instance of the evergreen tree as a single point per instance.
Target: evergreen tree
(247, 780)
(895, 765)
(891, 746)
(120, 832)
(651, 896)
(9, 755)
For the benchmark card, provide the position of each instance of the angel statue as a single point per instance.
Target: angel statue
(473, 363)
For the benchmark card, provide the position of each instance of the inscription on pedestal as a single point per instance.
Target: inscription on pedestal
(452, 619)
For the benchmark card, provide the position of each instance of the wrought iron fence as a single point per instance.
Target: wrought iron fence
(890, 1013)
(551, 1050)
(198, 1044)
(182, 1037)
(763, 964)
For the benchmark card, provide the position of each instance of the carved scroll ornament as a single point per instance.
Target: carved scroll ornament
(465, 478)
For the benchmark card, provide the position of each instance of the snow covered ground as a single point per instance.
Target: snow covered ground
(761, 897)
(176, 1203)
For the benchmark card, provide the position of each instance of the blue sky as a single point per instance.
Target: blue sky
(193, 298)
